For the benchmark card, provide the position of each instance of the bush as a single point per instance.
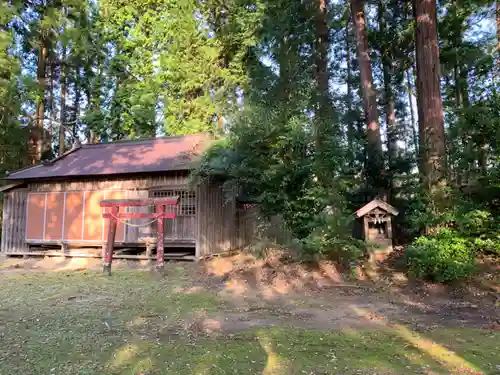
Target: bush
(331, 239)
(482, 229)
(475, 223)
(487, 245)
(444, 256)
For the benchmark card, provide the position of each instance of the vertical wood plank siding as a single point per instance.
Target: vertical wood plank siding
(14, 221)
(217, 221)
(114, 183)
(4, 223)
(134, 233)
(253, 227)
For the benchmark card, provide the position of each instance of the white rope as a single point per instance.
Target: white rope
(134, 225)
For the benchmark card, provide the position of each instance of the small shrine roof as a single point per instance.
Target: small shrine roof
(376, 203)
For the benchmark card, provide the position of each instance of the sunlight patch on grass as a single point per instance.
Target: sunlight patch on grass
(134, 322)
(275, 364)
(124, 355)
(446, 357)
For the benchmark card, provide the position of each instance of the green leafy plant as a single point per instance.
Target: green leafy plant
(445, 256)
(482, 230)
(487, 245)
(475, 222)
(332, 239)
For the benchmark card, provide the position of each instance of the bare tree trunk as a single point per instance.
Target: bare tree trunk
(430, 105)
(498, 32)
(458, 88)
(388, 73)
(464, 83)
(92, 92)
(40, 110)
(323, 118)
(462, 103)
(321, 46)
(51, 98)
(409, 78)
(283, 59)
(220, 121)
(374, 159)
(78, 96)
(64, 90)
(350, 127)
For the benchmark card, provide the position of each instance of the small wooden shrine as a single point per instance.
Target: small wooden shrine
(376, 220)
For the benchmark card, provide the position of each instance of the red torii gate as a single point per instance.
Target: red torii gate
(114, 215)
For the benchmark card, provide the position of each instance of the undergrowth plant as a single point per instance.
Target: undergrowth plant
(444, 256)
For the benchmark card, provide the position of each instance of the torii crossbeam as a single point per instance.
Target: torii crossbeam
(114, 215)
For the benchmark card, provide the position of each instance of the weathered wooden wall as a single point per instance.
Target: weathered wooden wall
(217, 226)
(214, 227)
(170, 180)
(217, 221)
(253, 227)
(138, 231)
(14, 221)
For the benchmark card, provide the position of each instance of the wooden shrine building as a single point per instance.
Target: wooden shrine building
(56, 205)
(376, 217)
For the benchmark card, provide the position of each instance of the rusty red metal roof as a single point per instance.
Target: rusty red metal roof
(141, 156)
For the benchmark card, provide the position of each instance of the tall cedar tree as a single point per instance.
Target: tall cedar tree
(324, 112)
(349, 104)
(38, 132)
(430, 105)
(64, 92)
(389, 100)
(374, 159)
(498, 29)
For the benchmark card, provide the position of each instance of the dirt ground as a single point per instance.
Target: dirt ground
(242, 315)
(266, 292)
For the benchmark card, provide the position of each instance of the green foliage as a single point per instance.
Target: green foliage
(445, 256)
(475, 223)
(473, 218)
(488, 245)
(332, 239)
(431, 210)
(13, 138)
(163, 59)
(267, 159)
(482, 229)
(264, 160)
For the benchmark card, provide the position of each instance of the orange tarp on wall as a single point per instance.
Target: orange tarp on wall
(70, 216)
(92, 214)
(54, 216)
(73, 219)
(35, 216)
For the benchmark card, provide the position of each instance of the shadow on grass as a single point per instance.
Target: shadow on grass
(272, 350)
(463, 350)
(134, 323)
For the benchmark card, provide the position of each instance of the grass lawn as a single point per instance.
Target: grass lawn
(137, 323)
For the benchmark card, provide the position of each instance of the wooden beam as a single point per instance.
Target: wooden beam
(137, 215)
(185, 256)
(97, 243)
(139, 202)
(4, 188)
(160, 209)
(108, 257)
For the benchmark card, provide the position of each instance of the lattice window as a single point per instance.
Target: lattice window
(187, 200)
